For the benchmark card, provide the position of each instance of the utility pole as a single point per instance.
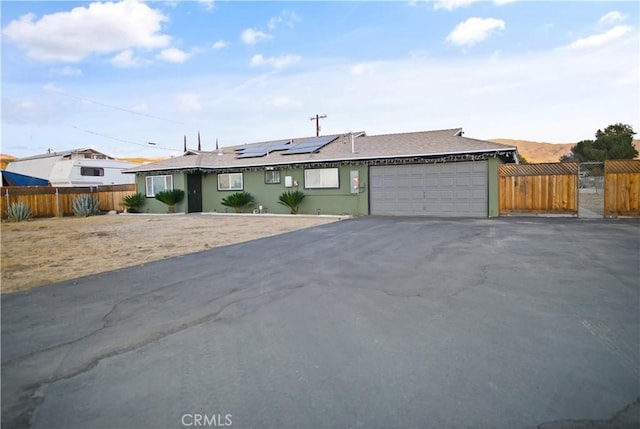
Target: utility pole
(317, 119)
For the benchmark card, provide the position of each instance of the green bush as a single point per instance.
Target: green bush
(133, 202)
(170, 198)
(19, 211)
(85, 205)
(291, 199)
(238, 201)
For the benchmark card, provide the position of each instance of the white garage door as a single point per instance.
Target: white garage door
(452, 189)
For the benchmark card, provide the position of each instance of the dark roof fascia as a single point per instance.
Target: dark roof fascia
(361, 160)
(376, 161)
(164, 171)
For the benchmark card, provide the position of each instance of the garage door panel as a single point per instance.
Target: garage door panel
(446, 180)
(463, 195)
(453, 189)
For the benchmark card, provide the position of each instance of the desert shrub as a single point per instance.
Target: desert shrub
(19, 211)
(85, 205)
(133, 202)
(170, 198)
(238, 201)
(291, 199)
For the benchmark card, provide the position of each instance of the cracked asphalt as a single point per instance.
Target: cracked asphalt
(370, 322)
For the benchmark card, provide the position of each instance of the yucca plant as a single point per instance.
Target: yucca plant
(133, 202)
(291, 199)
(238, 201)
(170, 198)
(19, 211)
(85, 205)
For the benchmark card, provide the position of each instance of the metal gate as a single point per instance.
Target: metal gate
(591, 190)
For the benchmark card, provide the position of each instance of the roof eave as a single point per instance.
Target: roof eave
(341, 159)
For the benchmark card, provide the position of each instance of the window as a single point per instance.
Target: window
(230, 182)
(272, 176)
(91, 171)
(321, 178)
(157, 184)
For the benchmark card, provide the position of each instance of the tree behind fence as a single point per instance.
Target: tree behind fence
(46, 201)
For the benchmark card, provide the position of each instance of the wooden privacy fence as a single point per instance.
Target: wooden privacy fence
(622, 188)
(46, 201)
(538, 188)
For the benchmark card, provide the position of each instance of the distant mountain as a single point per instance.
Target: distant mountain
(544, 152)
(142, 160)
(532, 151)
(4, 160)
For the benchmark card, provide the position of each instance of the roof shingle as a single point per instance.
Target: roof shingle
(404, 145)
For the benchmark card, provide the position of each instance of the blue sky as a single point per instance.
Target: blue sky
(116, 75)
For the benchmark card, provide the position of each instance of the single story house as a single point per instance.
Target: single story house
(430, 173)
(78, 167)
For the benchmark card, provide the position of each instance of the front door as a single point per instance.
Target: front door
(194, 189)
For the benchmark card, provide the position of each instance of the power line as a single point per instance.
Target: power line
(153, 146)
(98, 103)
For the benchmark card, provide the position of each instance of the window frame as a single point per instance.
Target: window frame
(321, 185)
(100, 170)
(153, 193)
(266, 172)
(230, 188)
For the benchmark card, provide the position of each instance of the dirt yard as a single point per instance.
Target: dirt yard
(43, 251)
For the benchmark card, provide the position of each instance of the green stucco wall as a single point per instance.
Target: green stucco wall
(151, 205)
(493, 186)
(329, 201)
(338, 201)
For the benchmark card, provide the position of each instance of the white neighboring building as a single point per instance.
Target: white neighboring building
(80, 167)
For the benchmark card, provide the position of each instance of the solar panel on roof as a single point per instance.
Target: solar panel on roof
(261, 149)
(309, 145)
(251, 154)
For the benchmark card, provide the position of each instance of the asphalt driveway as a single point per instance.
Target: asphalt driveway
(372, 322)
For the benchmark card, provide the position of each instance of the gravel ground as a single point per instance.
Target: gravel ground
(43, 251)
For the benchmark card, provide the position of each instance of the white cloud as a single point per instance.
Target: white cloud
(126, 59)
(188, 103)
(601, 39)
(208, 4)
(455, 4)
(280, 62)
(361, 69)
(286, 17)
(251, 36)
(474, 30)
(68, 71)
(221, 44)
(96, 29)
(173, 55)
(452, 4)
(611, 18)
(514, 95)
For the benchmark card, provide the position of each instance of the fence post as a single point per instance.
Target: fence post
(6, 194)
(58, 203)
